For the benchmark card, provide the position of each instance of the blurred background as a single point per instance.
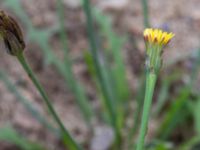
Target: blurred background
(65, 66)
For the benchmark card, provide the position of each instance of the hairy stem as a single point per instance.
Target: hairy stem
(150, 84)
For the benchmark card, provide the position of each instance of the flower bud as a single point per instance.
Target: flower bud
(11, 34)
(155, 40)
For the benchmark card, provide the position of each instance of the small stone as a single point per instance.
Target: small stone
(103, 138)
(73, 3)
(113, 5)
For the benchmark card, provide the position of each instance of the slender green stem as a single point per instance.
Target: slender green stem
(12, 88)
(72, 145)
(102, 77)
(76, 88)
(140, 100)
(145, 13)
(150, 84)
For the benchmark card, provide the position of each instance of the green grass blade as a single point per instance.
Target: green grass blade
(145, 13)
(173, 117)
(115, 43)
(195, 109)
(188, 145)
(76, 88)
(163, 94)
(10, 135)
(117, 71)
(101, 74)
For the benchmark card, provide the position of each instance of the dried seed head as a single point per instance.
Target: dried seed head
(11, 34)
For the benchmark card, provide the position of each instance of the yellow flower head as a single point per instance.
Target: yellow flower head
(157, 36)
(155, 40)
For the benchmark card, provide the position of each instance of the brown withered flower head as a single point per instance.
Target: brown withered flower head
(11, 34)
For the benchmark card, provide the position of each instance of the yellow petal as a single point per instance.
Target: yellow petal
(157, 36)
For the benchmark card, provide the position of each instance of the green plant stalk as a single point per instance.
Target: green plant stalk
(136, 121)
(145, 13)
(100, 73)
(75, 86)
(150, 85)
(117, 73)
(71, 144)
(50, 58)
(91, 68)
(66, 72)
(38, 116)
(116, 44)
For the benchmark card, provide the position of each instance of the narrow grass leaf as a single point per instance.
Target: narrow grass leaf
(175, 114)
(10, 135)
